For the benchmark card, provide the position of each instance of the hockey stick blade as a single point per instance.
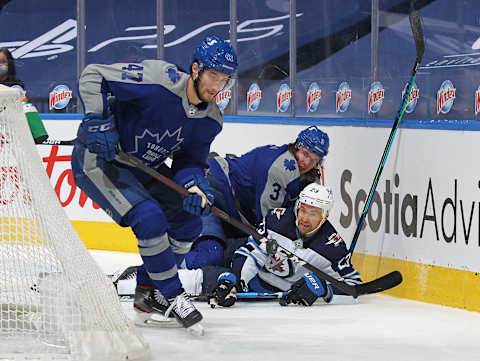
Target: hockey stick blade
(381, 284)
(417, 32)
(416, 25)
(57, 142)
(348, 289)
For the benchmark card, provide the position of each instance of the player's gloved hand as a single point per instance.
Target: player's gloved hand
(201, 198)
(101, 135)
(305, 291)
(225, 292)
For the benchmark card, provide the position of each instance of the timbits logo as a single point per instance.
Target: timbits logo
(412, 99)
(314, 94)
(254, 95)
(223, 98)
(344, 97)
(375, 97)
(477, 101)
(59, 97)
(445, 97)
(284, 95)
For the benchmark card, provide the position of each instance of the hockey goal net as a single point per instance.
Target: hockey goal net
(55, 303)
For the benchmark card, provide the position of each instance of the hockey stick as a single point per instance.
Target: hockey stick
(240, 296)
(378, 285)
(57, 142)
(420, 47)
(131, 272)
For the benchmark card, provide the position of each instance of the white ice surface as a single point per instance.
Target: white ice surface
(378, 328)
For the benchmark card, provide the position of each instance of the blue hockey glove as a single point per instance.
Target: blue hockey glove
(225, 292)
(305, 291)
(201, 198)
(102, 137)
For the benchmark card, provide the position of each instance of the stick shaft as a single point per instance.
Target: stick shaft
(420, 46)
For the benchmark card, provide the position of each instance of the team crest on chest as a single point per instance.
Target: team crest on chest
(278, 266)
(152, 147)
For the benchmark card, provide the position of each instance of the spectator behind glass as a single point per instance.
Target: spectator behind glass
(8, 75)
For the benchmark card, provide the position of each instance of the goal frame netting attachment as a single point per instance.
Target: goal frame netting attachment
(55, 302)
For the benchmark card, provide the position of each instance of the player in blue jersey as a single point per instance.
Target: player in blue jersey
(248, 186)
(304, 230)
(154, 111)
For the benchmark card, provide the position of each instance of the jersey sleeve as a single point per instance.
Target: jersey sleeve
(127, 82)
(280, 184)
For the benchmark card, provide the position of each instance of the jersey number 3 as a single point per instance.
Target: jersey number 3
(138, 77)
(276, 191)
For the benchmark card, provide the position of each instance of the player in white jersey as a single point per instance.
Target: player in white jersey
(154, 111)
(303, 229)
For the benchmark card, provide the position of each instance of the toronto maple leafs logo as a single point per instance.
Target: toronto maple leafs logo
(173, 75)
(289, 164)
(153, 148)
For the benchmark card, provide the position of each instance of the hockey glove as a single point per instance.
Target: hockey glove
(201, 198)
(305, 291)
(102, 137)
(225, 292)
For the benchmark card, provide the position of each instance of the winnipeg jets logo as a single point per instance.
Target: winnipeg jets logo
(154, 147)
(334, 239)
(278, 212)
(278, 265)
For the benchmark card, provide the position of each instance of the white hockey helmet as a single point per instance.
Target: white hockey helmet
(318, 196)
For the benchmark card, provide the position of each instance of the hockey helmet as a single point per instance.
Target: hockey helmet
(315, 195)
(314, 140)
(216, 54)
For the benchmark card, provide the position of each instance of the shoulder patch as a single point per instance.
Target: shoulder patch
(173, 74)
(289, 164)
(334, 239)
(278, 212)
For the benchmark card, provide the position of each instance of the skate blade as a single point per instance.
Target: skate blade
(196, 330)
(145, 320)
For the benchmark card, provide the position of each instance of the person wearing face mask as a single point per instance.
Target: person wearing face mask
(8, 74)
(8, 77)
(246, 187)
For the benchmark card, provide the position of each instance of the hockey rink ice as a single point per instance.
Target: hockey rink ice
(377, 328)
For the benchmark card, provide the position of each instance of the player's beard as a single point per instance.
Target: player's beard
(197, 84)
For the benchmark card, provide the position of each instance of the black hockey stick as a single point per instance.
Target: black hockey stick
(383, 283)
(57, 142)
(420, 46)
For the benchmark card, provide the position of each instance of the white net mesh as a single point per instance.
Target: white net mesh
(55, 301)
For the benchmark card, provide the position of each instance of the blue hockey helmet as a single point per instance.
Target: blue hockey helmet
(314, 140)
(216, 54)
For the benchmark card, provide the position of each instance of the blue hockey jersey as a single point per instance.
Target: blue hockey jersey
(325, 250)
(266, 177)
(153, 116)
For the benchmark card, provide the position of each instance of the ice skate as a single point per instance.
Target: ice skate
(150, 308)
(186, 314)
